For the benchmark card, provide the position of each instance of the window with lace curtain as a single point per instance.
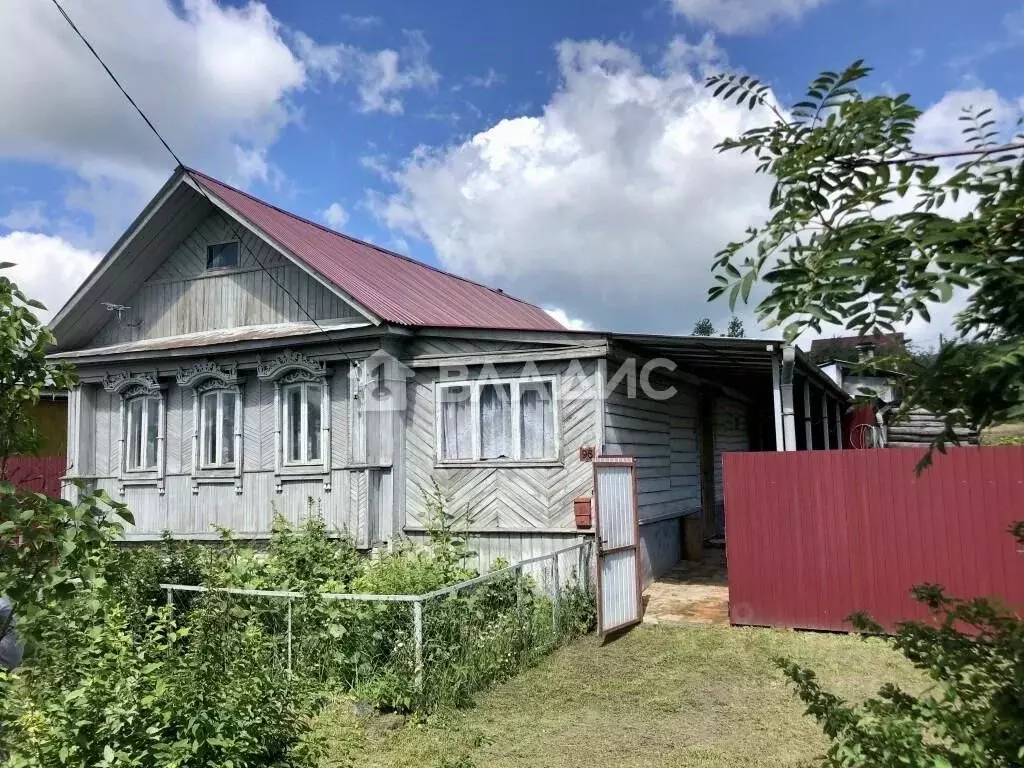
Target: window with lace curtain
(497, 420)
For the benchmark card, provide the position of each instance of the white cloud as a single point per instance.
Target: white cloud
(572, 323)
(743, 16)
(46, 268)
(26, 216)
(940, 129)
(360, 22)
(216, 80)
(381, 77)
(609, 205)
(335, 216)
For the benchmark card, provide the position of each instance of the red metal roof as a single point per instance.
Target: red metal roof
(394, 287)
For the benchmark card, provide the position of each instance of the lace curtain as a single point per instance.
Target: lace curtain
(537, 421)
(456, 423)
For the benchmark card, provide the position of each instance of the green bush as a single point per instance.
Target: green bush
(209, 693)
(484, 634)
(116, 677)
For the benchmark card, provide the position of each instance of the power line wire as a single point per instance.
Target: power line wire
(188, 172)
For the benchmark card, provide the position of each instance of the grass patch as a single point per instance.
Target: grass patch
(658, 696)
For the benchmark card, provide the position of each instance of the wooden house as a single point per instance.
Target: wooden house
(238, 361)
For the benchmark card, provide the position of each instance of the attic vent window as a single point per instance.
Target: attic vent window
(222, 255)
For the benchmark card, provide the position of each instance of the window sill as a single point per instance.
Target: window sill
(303, 472)
(501, 463)
(213, 479)
(215, 473)
(140, 478)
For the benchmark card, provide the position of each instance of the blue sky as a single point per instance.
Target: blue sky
(560, 150)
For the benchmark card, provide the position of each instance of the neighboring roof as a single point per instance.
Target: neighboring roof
(852, 342)
(716, 356)
(212, 338)
(394, 287)
(862, 368)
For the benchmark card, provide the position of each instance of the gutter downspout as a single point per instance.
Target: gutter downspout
(780, 438)
(786, 387)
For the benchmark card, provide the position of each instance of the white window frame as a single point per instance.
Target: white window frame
(128, 386)
(304, 387)
(292, 367)
(475, 386)
(217, 396)
(205, 377)
(146, 467)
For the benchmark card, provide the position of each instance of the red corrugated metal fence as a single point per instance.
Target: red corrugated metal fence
(813, 536)
(40, 474)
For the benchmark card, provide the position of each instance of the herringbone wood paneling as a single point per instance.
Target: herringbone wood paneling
(504, 497)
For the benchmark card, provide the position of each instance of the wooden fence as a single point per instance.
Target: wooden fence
(814, 536)
(40, 474)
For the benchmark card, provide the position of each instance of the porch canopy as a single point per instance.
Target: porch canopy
(794, 405)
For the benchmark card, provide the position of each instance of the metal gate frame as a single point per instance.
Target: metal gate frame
(630, 463)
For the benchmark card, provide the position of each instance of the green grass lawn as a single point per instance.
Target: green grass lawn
(659, 696)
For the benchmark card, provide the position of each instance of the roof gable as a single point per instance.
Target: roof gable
(378, 284)
(394, 287)
(145, 273)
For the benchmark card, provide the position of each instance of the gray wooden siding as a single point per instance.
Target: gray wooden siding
(512, 498)
(432, 345)
(181, 296)
(516, 547)
(660, 548)
(731, 434)
(247, 514)
(662, 435)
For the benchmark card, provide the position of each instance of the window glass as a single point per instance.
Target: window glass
(293, 424)
(222, 255)
(209, 429)
(496, 421)
(536, 420)
(152, 419)
(227, 432)
(141, 430)
(136, 414)
(456, 423)
(313, 422)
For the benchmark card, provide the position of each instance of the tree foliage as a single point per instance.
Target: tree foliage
(735, 329)
(24, 370)
(704, 327)
(867, 231)
(862, 234)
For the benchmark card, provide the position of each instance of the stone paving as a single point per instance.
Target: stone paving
(691, 593)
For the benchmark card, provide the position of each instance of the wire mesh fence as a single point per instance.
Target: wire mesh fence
(427, 650)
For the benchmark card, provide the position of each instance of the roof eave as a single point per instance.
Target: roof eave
(62, 315)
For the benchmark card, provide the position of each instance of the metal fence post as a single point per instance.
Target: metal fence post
(170, 598)
(289, 635)
(417, 631)
(556, 595)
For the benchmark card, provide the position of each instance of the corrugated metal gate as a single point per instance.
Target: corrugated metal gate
(812, 537)
(618, 535)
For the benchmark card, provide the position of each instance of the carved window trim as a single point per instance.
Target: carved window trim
(293, 367)
(204, 377)
(128, 386)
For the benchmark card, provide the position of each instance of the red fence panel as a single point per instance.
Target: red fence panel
(814, 536)
(39, 474)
